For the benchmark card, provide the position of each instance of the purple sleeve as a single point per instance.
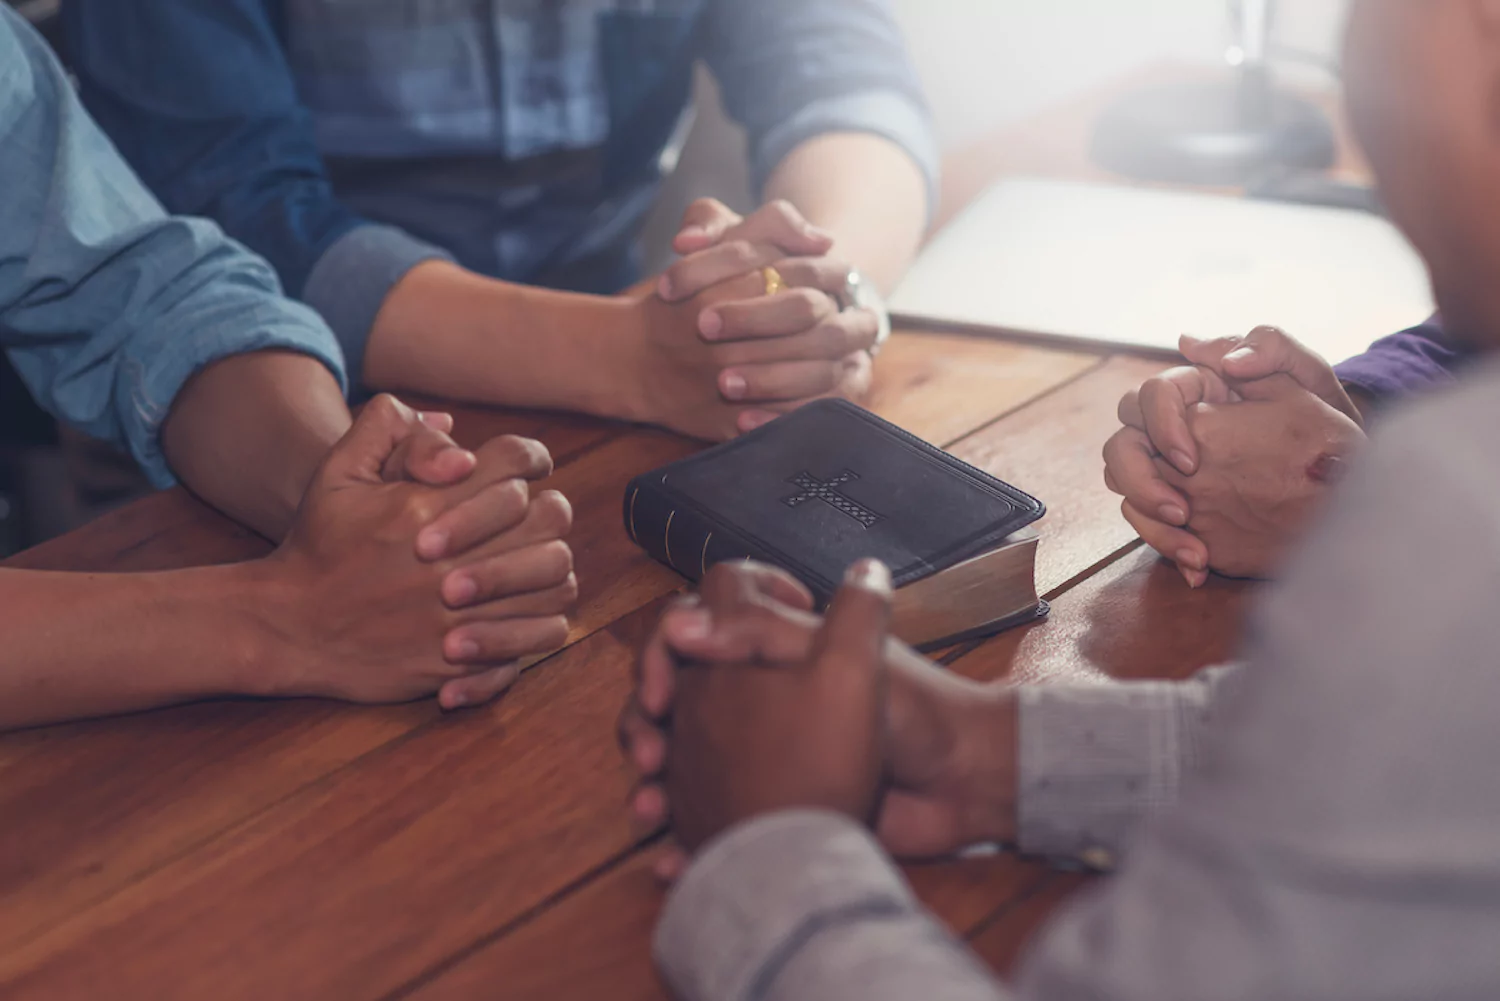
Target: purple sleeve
(1414, 360)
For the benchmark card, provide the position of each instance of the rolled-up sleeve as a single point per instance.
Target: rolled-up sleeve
(203, 103)
(791, 70)
(107, 305)
(1093, 761)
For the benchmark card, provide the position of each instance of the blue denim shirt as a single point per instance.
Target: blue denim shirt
(347, 141)
(107, 306)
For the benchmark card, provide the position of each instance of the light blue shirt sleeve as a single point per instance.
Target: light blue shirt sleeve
(790, 70)
(108, 305)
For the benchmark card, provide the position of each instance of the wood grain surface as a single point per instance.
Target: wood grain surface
(290, 850)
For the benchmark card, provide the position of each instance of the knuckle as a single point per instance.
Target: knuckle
(826, 375)
(526, 456)
(384, 406)
(512, 494)
(553, 632)
(553, 512)
(862, 327)
(812, 304)
(742, 254)
(421, 507)
(784, 211)
(720, 577)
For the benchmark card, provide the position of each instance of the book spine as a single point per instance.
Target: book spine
(678, 536)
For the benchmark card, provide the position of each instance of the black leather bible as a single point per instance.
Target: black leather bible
(832, 483)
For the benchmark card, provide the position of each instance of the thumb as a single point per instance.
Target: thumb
(362, 453)
(428, 455)
(1208, 353)
(1269, 351)
(703, 225)
(781, 225)
(853, 635)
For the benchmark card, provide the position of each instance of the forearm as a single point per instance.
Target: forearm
(448, 332)
(865, 190)
(1094, 760)
(246, 434)
(1419, 359)
(80, 645)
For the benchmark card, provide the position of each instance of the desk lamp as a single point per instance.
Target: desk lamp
(1231, 131)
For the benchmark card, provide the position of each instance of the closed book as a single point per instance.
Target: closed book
(832, 483)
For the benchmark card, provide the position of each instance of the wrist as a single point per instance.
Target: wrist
(260, 601)
(1362, 402)
(614, 373)
(959, 743)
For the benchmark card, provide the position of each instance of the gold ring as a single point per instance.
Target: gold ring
(774, 282)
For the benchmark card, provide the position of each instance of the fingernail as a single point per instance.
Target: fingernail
(1189, 558)
(432, 543)
(464, 454)
(692, 232)
(818, 233)
(734, 385)
(1172, 514)
(457, 701)
(461, 589)
(465, 649)
(710, 323)
(1239, 354)
(870, 575)
(1182, 460)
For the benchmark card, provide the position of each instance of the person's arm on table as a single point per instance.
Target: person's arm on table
(109, 309)
(1415, 360)
(1064, 771)
(203, 102)
(843, 140)
(1313, 854)
(844, 136)
(1273, 460)
(1146, 460)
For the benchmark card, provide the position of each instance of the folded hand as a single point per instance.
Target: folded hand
(726, 356)
(389, 591)
(1156, 437)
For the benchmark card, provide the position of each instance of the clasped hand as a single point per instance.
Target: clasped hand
(415, 566)
(1222, 462)
(723, 357)
(747, 703)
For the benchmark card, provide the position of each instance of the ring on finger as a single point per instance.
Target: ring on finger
(774, 282)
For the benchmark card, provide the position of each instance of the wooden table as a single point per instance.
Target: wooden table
(253, 850)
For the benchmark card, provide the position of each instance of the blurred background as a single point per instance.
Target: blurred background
(990, 63)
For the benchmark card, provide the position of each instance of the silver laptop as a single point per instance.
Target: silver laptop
(1138, 267)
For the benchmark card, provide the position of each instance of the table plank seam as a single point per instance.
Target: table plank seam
(1013, 903)
(1084, 575)
(583, 451)
(245, 820)
(558, 896)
